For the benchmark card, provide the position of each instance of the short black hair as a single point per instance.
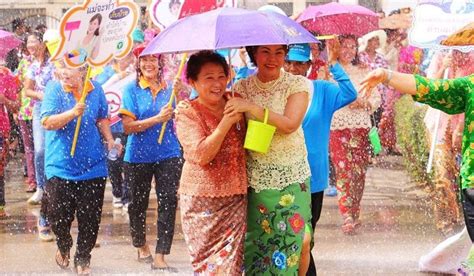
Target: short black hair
(397, 11)
(17, 23)
(41, 27)
(197, 61)
(251, 50)
(321, 44)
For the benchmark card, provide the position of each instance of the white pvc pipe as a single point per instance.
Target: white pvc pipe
(435, 134)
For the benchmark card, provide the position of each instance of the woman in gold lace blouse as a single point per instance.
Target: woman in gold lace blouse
(279, 198)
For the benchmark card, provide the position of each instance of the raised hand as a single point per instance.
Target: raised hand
(333, 48)
(374, 78)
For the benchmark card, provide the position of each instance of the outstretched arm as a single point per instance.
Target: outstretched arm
(405, 83)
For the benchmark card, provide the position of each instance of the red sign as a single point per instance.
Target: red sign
(191, 7)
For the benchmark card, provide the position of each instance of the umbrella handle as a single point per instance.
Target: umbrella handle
(173, 95)
(79, 120)
(326, 37)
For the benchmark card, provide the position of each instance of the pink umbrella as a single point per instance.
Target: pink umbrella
(8, 41)
(339, 19)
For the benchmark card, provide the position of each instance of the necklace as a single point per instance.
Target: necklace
(266, 86)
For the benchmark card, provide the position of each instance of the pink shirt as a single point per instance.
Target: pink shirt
(226, 174)
(9, 89)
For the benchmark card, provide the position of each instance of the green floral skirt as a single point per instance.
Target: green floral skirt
(276, 224)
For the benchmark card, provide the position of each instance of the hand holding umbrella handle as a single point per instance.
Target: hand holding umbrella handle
(79, 120)
(173, 95)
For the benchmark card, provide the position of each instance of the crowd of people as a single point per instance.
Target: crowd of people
(241, 211)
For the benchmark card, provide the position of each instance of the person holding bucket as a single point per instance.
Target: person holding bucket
(279, 211)
(144, 110)
(213, 186)
(349, 139)
(325, 98)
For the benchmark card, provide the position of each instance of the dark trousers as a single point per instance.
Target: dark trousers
(139, 175)
(2, 191)
(468, 208)
(3, 165)
(119, 186)
(84, 199)
(316, 207)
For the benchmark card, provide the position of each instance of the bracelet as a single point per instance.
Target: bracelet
(389, 76)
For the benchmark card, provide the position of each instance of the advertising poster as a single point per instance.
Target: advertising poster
(96, 31)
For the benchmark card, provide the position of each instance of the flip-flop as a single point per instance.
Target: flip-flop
(164, 269)
(63, 263)
(147, 259)
(83, 270)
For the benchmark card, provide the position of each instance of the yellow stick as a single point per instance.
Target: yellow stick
(78, 124)
(173, 94)
(325, 37)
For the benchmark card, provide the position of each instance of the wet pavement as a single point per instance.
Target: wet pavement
(397, 228)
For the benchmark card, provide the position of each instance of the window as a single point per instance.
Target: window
(32, 17)
(286, 7)
(370, 4)
(317, 2)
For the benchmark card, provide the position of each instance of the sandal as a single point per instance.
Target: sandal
(357, 224)
(168, 269)
(148, 259)
(31, 189)
(83, 270)
(348, 226)
(62, 260)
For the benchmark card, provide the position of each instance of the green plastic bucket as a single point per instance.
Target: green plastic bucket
(374, 139)
(259, 135)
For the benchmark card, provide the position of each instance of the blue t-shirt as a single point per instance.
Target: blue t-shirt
(327, 98)
(143, 147)
(89, 159)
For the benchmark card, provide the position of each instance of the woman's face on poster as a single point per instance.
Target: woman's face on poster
(93, 26)
(175, 9)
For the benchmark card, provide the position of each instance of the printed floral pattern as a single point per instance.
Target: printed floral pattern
(41, 74)
(276, 224)
(453, 96)
(349, 151)
(26, 109)
(214, 230)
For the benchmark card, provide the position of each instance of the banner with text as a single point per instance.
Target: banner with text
(97, 31)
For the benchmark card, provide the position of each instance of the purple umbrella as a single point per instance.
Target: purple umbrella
(8, 41)
(228, 28)
(339, 19)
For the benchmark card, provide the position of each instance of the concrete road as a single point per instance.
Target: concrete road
(397, 229)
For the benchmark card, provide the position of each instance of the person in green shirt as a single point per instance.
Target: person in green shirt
(452, 96)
